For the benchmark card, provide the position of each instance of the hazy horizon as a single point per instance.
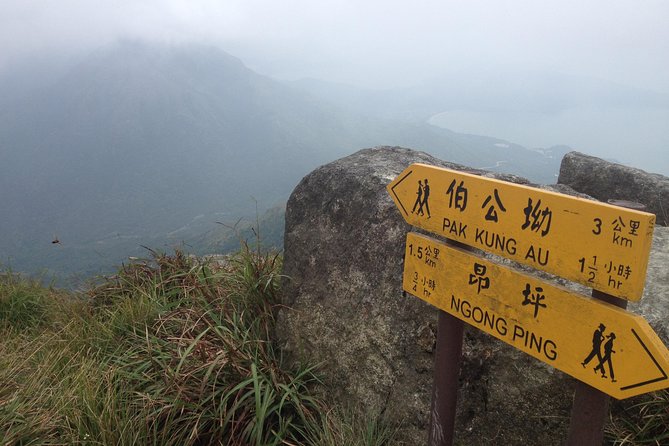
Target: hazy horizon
(127, 146)
(372, 43)
(395, 45)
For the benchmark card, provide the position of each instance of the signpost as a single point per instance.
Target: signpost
(600, 344)
(604, 247)
(601, 246)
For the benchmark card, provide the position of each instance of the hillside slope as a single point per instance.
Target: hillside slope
(144, 144)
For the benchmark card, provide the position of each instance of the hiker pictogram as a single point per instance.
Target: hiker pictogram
(422, 197)
(597, 338)
(604, 360)
(562, 328)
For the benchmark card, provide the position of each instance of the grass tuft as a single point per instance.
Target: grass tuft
(645, 422)
(24, 303)
(171, 350)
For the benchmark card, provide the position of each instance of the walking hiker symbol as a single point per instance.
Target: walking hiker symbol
(426, 195)
(597, 338)
(419, 200)
(422, 196)
(606, 359)
(602, 360)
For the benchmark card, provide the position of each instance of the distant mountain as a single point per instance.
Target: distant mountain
(503, 92)
(265, 231)
(139, 144)
(534, 109)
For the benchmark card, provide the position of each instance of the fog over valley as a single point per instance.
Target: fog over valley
(185, 124)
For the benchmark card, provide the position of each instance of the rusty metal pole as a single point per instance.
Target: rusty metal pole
(447, 360)
(590, 407)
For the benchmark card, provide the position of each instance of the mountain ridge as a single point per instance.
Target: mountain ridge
(137, 140)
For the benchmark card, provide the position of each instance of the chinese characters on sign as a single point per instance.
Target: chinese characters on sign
(458, 196)
(622, 357)
(534, 298)
(479, 277)
(596, 244)
(491, 213)
(536, 218)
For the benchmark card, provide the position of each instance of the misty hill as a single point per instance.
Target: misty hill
(540, 92)
(143, 144)
(535, 109)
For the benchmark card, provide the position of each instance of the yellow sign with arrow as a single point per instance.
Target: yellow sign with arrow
(599, 245)
(600, 344)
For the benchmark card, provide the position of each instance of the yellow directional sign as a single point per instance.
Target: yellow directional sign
(596, 244)
(602, 345)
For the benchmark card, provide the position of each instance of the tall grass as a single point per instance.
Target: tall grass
(172, 350)
(24, 303)
(644, 422)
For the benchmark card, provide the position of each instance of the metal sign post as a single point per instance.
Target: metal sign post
(610, 351)
(447, 359)
(590, 406)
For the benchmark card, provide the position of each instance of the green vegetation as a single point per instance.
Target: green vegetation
(23, 303)
(643, 421)
(266, 228)
(177, 350)
(170, 350)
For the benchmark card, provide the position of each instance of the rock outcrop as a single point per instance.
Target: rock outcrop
(605, 181)
(344, 306)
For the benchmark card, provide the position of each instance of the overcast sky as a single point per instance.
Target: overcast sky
(369, 42)
(391, 43)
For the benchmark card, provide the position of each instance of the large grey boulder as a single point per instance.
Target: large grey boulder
(344, 306)
(654, 305)
(605, 180)
(344, 244)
